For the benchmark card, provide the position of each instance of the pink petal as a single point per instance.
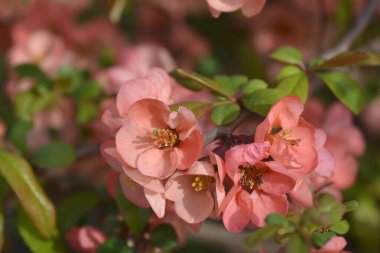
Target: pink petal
(253, 7)
(301, 193)
(157, 163)
(226, 5)
(264, 204)
(285, 113)
(178, 186)
(148, 182)
(238, 211)
(195, 213)
(133, 191)
(189, 150)
(161, 83)
(215, 159)
(112, 179)
(201, 168)
(156, 201)
(110, 154)
(277, 182)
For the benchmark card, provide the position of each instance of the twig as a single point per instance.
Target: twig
(87, 150)
(357, 29)
(222, 131)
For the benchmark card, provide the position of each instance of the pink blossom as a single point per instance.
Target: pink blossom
(334, 245)
(157, 141)
(259, 187)
(195, 185)
(85, 239)
(290, 136)
(142, 190)
(249, 7)
(41, 48)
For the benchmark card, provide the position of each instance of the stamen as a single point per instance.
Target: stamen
(165, 138)
(201, 183)
(286, 134)
(251, 177)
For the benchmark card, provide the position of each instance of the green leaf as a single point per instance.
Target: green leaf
(287, 55)
(3, 191)
(33, 199)
(86, 111)
(344, 59)
(296, 85)
(351, 205)
(32, 238)
(260, 235)
(320, 239)
(71, 209)
(113, 245)
(230, 83)
(53, 155)
(88, 90)
(297, 244)
(198, 108)
(196, 82)
(252, 86)
(135, 217)
(225, 113)
(18, 134)
(328, 205)
(164, 237)
(262, 100)
(341, 227)
(24, 105)
(31, 71)
(276, 219)
(345, 89)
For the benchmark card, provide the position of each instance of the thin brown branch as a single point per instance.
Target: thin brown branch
(357, 29)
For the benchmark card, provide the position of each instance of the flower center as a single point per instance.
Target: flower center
(201, 183)
(165, 138)
(251, 177)
(286, 135)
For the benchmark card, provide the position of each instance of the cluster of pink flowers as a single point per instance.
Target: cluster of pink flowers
(156, 157)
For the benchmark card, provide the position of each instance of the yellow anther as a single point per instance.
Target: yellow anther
(201, 183)
(251, 176)
(165, 138)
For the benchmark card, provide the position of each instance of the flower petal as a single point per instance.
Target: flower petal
(264, 204)
(133, 191)
(157, 202)
(195, 213)
(238, 211)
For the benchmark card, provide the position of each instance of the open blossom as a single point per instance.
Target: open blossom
(195, 185)
(249, 7)
(291, 137)
(85, 239)
(259, 187)
(157, 141)
(142, 190)
(334, 245)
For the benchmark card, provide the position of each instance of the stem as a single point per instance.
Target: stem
(357, 29)
(222, 131)
(117, 10)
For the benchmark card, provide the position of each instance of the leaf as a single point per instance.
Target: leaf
(276, 219)
(3, 191)
(297, 244)
(328, 205)
(135, 217)
(225, 113)
(24, 105)
(198, 108)
(196, 82)
(260, 235)
(320, 239)
(71, 209)
(86, 111)
(23, 182)
(297, 85)
(18, 134)
(262, 100)
(88, 90)
(288, 71)
(344, 59)
(113, 245)
(341, 227)
(351, 205)
(230, 84)
(32, 238)
(252, 86)
(53, 155)
(31, 71)
(287, 55)
(164, 236)
(345, 89)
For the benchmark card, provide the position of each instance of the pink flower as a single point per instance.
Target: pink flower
(85, 239)
(249, 7)
(290, 136)
(156, 141)
(334, 245)
(142, 190)
(195, 185)
(41, 48)
(259, 187)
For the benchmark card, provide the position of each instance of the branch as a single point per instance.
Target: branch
(357, 29)
(222, 131)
